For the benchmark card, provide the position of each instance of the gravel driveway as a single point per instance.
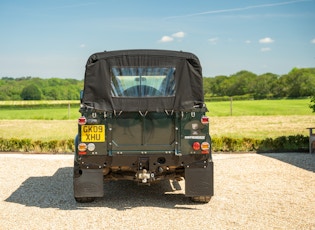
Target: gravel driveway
(252, 191)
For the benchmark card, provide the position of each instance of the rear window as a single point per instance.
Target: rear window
(143, 81)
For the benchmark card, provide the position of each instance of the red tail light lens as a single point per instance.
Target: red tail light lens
(196, 146)
(82, 120)
(204, 120)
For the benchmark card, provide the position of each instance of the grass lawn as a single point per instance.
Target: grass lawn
(261, 126)
(44, 130)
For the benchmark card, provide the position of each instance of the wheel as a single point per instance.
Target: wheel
(84, 199)
(201, 199)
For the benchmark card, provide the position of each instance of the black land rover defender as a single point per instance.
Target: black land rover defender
(143, 119)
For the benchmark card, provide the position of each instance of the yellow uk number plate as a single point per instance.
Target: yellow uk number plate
(93, 133)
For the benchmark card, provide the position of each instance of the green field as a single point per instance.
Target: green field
(40, 114)
(59, 110)
(39, 110)
(260, 108)
(252, 119)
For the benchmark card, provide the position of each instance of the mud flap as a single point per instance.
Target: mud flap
(199, 180)
(89, 184)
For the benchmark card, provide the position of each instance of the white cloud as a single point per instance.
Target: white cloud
(248, 41)
(213, 41)
(266, 40)
(265, 49)
(313, 41)
(166, 39)
(82, 46)
(171, 38)
(178, 35)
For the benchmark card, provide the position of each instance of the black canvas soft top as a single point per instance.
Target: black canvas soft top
(98, 81)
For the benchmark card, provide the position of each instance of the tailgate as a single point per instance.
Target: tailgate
(134, 131)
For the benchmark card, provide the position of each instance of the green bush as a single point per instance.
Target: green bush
(296, 143)
(228, 144)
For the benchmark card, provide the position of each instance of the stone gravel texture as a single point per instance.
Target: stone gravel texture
(252, 191)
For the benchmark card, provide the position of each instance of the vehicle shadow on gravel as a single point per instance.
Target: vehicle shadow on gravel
(56, 191)
(302, 160)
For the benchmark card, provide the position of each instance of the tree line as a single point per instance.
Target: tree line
(299, 82)
(30, 88)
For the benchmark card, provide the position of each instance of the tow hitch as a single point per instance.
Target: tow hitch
(143, 174)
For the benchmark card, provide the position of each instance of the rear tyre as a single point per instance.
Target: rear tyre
(201, 199)
(84, 199)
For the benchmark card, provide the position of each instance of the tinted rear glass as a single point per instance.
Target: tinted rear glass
(143, 81)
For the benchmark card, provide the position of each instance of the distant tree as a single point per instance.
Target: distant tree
(299, 82)
(31, 92)
(265, 86)
(243, 82)
(220, 85)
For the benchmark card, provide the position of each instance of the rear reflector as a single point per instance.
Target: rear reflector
(205, 151)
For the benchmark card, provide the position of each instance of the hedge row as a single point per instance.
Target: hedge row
(37, 146)
(246, 97)
(294, 143)
(297, 143)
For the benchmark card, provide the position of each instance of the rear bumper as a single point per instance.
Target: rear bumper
(150, 162)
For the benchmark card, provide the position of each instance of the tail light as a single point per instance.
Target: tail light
(205, 120)
(205, 148)
(82, 120)
(82, 148)
(196, 146)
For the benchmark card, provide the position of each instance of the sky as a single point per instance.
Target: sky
(46, 39)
